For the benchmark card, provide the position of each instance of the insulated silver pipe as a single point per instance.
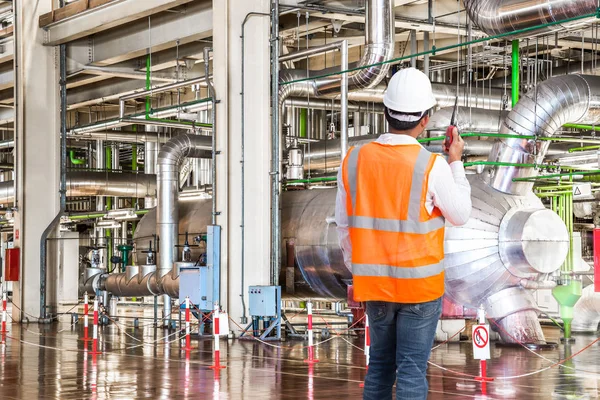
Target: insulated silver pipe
(170, 158)
(150, 153)
(444, 94)
(160, 89)
(85, 183)
(120, 136)
(467, 120)
(326, 104)
(344, 100)
(542, 112)
(379, 47)
(496, 17)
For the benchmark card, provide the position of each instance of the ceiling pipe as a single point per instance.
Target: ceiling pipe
(542, 113)
(496, 17)
(86, 183)
(379, 47)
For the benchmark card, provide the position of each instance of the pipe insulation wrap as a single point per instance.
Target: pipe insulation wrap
(542, 112)
(171, 156)
(496, 17)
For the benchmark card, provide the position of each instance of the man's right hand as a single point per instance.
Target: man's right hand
(455, 150)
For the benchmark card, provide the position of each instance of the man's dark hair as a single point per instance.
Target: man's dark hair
(403, 125)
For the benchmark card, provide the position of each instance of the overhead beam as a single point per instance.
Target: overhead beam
(164, 31)
(103, 18)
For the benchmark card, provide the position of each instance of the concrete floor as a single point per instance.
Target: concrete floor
(51, 362)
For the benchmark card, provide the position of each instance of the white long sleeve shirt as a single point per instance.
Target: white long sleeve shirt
(448, 189)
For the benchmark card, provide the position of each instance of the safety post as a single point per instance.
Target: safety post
(3, 311)
(216, 331)
(481, 348)
(95, 330)
(86, 311)
(367, 345)
(311, 353)
(187, 323)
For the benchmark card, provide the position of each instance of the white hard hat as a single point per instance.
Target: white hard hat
(409, 91)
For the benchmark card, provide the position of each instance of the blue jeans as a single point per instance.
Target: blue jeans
(401, 339)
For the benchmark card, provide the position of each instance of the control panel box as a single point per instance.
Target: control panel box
(196, 283)
(265, 301)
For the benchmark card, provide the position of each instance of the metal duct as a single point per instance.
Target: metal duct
(324, 157)
(87, 183)
(121, 136)
(542, 112)
(467, 120)
(445, 95)
(169, 160)
(587, 312)
(379, 47)
(496, 17)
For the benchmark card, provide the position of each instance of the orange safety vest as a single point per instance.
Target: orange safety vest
(397, 247)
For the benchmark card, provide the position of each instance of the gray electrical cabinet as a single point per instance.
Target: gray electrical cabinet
(265, 301)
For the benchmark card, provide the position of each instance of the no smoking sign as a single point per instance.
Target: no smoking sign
(481, 342)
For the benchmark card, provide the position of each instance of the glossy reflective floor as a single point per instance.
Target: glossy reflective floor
(52, 362)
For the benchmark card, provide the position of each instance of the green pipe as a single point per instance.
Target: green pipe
(509, 136)
(303, 119)
(584, 148)
(506, 164)
(516, 70)
(434, 49)
(313, 180)
(583, 127)
(74, 160)
(562, 175)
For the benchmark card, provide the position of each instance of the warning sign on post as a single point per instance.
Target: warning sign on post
(481, 342)
(583, 190)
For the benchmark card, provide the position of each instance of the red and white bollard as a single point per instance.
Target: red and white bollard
(187, 323)
(86, 322)
(95, 330)
(3, 310)
(311, 351)
(216, 332)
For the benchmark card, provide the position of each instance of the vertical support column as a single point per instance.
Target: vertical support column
(37, 137)
(228, 16)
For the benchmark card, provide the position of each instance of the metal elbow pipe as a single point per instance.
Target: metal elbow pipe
(496, 17)
(555, 102)
(379, 39)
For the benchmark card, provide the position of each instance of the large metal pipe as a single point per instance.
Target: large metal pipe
(170, 158)
(121, 136)
(325, 156)
(477, 120)
(496, 17)
(444, 94)
(555, 102)
(379, 47)
(87, 183)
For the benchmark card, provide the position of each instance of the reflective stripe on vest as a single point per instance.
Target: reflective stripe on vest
(393, 259)
(398, 272)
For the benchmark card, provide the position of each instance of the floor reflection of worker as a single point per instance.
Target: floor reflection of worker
(393, 200)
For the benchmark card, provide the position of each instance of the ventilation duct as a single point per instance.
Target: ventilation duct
(81, 184)
(496, 17)
(379, 47)
(542, 112)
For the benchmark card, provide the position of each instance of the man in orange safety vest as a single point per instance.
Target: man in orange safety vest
(394, 199)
